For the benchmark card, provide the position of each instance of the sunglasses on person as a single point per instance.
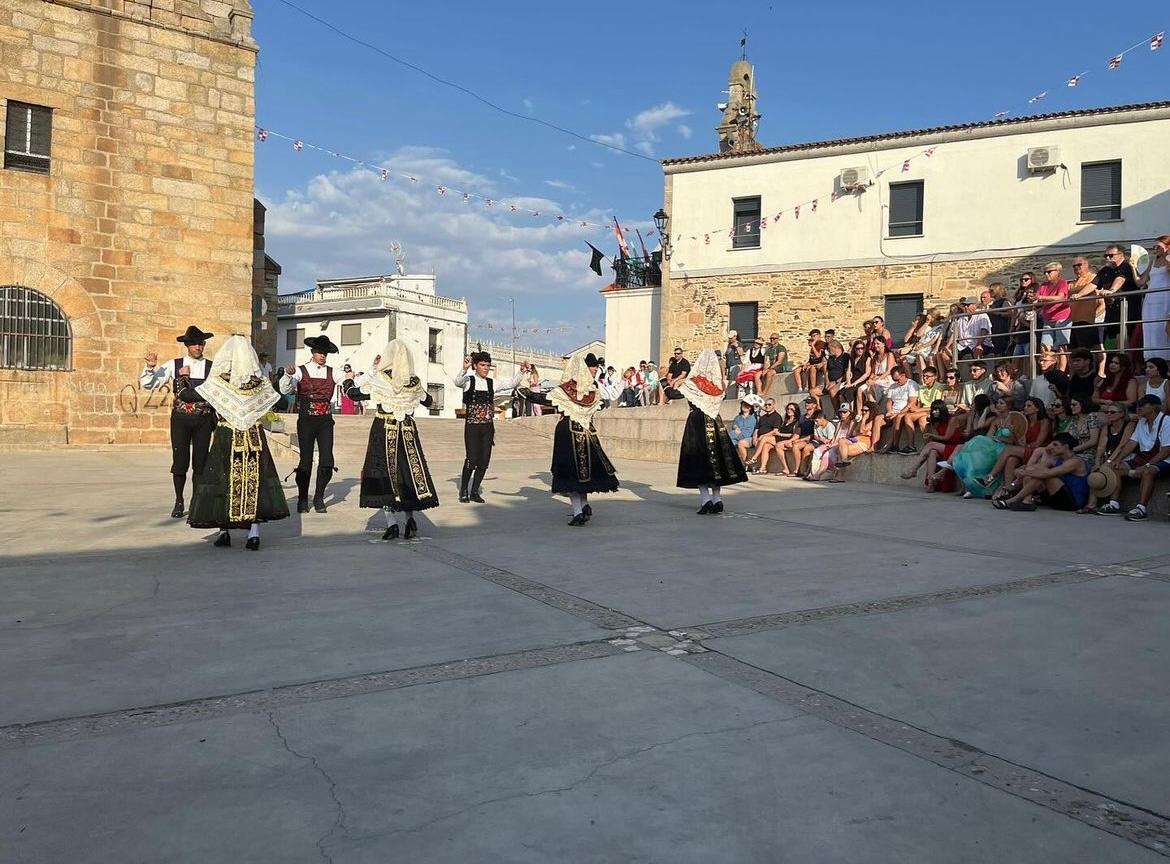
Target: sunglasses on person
(1046, 272)
(769, 404)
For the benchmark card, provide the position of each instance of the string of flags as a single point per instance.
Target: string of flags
(491, 327)
(388, 174)
(1154, 42)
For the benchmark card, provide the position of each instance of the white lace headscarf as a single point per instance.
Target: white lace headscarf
(706, 373)
(588, 399)
(389, 385)
(226, 389)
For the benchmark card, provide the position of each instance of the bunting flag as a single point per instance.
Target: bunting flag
(1037, 98)
(262, 134)
(796, 211)
(385, 173)
(442, 190)
(466, 197)
(905, 166)
(1156, 41)
(1074, 81)
(1115, 61)
(928, 152)
(814, 205)
(298, 146)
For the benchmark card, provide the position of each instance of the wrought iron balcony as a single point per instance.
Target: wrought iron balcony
(637, 273)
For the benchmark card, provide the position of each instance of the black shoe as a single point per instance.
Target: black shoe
(477, 498)
(578, 520)
(411, 528)
(319, 503)
(390, 533)
(587, 512)
(253, 544)
(464, 498)
(224, 539)
(302, 505)
(706, 509)
(718, 508)
(178, 512)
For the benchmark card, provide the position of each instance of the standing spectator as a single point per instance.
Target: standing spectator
(1116, 277)
(1052, 295)
(1086, 307)
(1156, 307)
(816, 362)
(676, 372)
(836, 372)
(972, 329)
(341, 400)
(901, 400)
(650, 384)
(1059, 479)
(1000, 313)
(1118, 385)
(265, 366)
(534, 385)
(732, 361)
(776, 358)
(1144, 456)
(1023, 321)
(743, 428)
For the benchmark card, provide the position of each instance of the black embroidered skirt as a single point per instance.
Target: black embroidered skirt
(578, 462)
(707, 456)
(395, 473)
(240, 484)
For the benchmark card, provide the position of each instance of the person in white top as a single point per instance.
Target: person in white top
(314, 385)
(192, 419)
(1146, 455)
(1156, 307)
(901, 400)
(479, 430)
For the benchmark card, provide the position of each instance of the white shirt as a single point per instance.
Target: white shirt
(1151, 436)
(480, 384)
(899, 394)
(152, 379)
(315, 370)
(970, 331)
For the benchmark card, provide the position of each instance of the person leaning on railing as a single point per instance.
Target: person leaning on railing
(1156, 309)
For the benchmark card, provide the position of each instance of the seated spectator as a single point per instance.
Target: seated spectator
(630, 389)
(962, 427)
(1082, 374)
(822, 435)
(649, 383)
(732, 361)
(1036, 435)
(676, 372)
(776, 359)
(826, 457)
(1006, 384)
(743, 427)
(881, 361)
(806, 373)
(1059, 479)
(901, 400)
(856, 375)
(979, 383)
(927, 394)
(836, 373)
(1084, 424)
(1116, 429)
(1146, 455)
(924, 348)
(939, 444)
(771, 430)
(952, 393)
(1156, 374)
(975, 459)
(803, 432)
(1118, 385)
(1050, 383)
(754, 369)
(882, 332)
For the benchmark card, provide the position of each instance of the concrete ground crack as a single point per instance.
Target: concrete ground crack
(584, 778)
(339, 818)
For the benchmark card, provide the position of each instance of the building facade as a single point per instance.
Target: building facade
(126, 209)
(360, 315)
(889, 224)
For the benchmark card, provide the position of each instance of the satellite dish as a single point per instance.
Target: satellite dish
(1139, 256)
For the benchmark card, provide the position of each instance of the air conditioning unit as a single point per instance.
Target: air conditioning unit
(853, 178)
(1043, 159)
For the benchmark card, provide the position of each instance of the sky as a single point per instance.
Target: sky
(645, 77)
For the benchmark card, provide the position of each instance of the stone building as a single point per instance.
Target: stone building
(827, 233)
(126, 208)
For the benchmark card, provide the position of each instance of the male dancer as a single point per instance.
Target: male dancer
(192, 420)
(479, 431)
(314, 385)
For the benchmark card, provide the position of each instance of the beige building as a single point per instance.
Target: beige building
(126, 208)
(894, 229)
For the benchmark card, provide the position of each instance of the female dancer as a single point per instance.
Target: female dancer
(240, 487)
(395, 476)
(707, 459)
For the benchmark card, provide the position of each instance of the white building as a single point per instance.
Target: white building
(362, 314)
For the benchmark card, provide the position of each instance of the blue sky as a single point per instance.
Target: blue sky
(645, 75)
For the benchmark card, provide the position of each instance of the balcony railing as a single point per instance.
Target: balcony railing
(372, 291)
(636, 273)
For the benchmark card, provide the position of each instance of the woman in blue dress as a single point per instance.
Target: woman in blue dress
(975, 459)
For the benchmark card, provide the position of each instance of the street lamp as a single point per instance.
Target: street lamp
(662, 223)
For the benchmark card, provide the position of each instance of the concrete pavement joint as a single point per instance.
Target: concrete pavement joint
(339, 808)
(756, 624)
(20, 735)
(1136, 824)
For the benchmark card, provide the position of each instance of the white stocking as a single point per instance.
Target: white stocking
(715, 496)
(575, 498)
(389, 514)
(254, 530)
(704, 495)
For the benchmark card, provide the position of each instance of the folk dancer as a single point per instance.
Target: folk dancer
(479, 430)
(314, 386)
(395, 476)
(240, 488)
(707, 460)
(579, 465)
(192, 420)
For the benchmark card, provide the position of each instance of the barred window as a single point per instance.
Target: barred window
(34, 332)
(28, 133)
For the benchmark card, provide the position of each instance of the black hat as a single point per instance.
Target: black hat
(321, 344)
(194, 336)
(591, 360)
(480, 357)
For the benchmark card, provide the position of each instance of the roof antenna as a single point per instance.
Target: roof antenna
(743, 46)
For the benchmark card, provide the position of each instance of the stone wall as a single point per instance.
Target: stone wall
(144, 223)
(695, 310)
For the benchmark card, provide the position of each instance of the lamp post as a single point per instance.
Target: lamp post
(662, 223)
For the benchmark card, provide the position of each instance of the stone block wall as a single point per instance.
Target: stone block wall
(144, 223)
(695, 310)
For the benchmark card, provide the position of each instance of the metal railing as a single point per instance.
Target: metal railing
(375, 290)
(34, 333)
(636, 273)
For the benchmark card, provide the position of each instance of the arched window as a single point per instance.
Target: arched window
(34, 332)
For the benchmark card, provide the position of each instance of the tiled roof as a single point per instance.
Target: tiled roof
(915, 133)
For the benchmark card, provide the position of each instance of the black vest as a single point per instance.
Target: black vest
(180, 362)
(472, 395)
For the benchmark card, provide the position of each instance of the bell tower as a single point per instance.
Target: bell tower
(740, 121)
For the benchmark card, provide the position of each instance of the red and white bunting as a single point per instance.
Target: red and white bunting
(442, 190)
(1156, 41)
(1074, 81)
(796, 211)
(262, 134)
(1115, 61)
(298, 146)
(385, 174)
(1037, 98)
(905, 166)
(814, 205)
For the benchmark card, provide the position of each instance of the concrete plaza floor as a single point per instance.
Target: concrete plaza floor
(826, 673)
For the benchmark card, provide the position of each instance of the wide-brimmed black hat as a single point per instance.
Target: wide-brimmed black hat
(591, 360)
(321, 344)
(193, 336)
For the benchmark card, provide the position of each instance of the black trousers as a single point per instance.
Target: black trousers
(315, 430)
(190, 441)
(478, 439)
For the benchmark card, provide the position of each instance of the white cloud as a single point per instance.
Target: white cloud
(508, 176)
(528, 106)
(684, 130)
(645, 126)
(560, 184)
(617, 139)
(342, 223)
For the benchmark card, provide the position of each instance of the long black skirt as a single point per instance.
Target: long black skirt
(578, 462)
(240, 484)
(395, 473)
(707, 456)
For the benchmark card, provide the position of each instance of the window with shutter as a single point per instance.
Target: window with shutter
(747, 222)
(906, 209)
(900, 312)
(28, 134)
(351, 334)
(293, 338)
(744, 319)
(1100, 191)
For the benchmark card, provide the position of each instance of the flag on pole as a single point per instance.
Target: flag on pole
(642, 243)
(1115, 61)
(595, 261)
(621, 238)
